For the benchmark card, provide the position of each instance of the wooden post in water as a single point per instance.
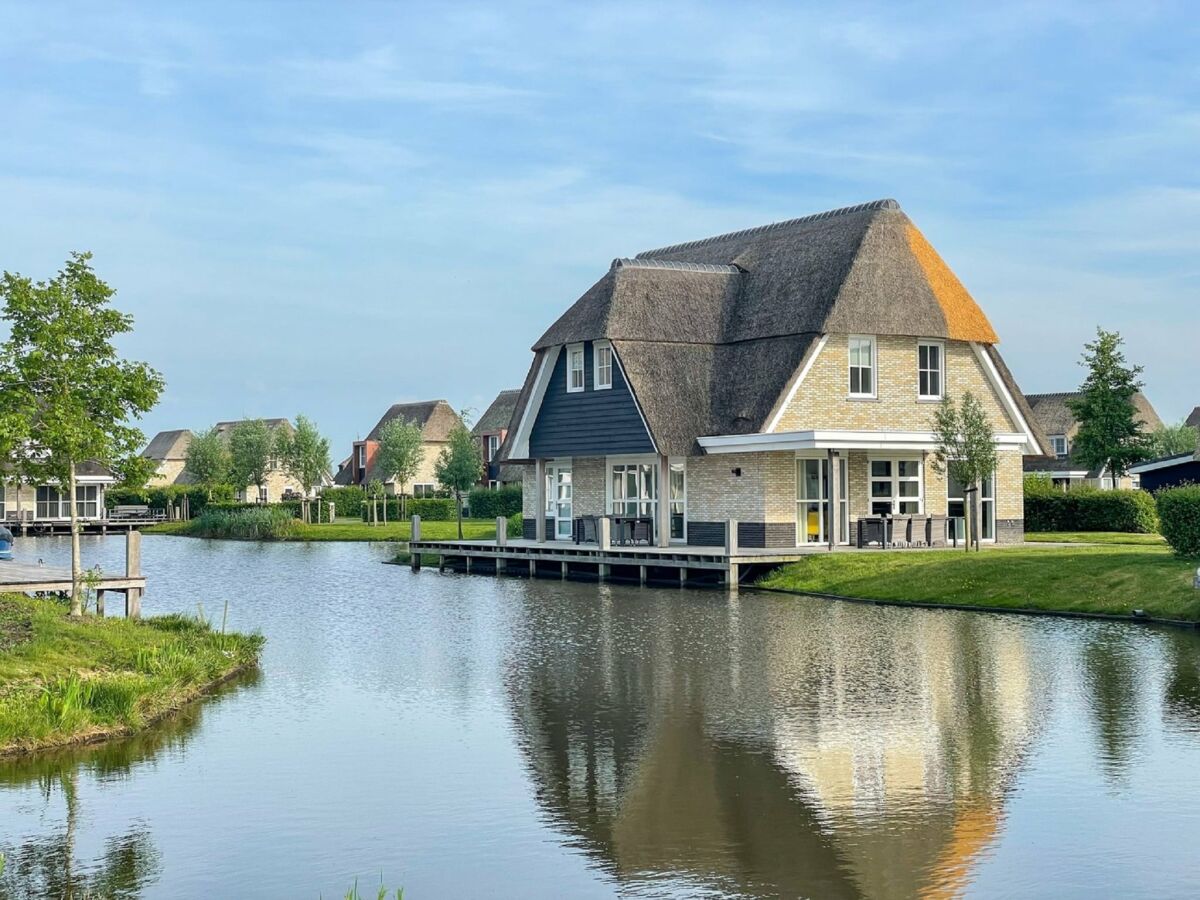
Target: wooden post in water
(501, 531)
(605, 535)
(99, 603)
(133, 568)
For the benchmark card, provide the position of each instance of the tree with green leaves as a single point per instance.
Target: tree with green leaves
(134, 471)
(376, 491)
(305, 455)
(251, 453)
(65, 394)
(400, 454)
(1110, 437)
(207, 461)
(1173, 440)
(459, 466)
(966, 450)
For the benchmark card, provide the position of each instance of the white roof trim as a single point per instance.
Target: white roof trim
(1168, 463)
(1010, 405)
(791, 394)
(1061, 473)
(835, 440)
(520, 447)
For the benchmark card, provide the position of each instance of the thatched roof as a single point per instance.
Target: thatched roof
(710, 332)
(224, 428)
(1194, 418)
(497, 416)
(437, 419)
(168, 445)
(1054, 415)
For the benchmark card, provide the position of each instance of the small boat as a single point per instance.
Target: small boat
(6, 543)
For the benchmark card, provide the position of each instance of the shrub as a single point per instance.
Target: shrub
(1179, 512)
(430, 509)
(165, 496)
(516, 525)
(1084, 509)
(486, 503)
(347, 501)
(257, 524)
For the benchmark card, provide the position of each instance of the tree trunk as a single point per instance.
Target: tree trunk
(385, 508)
(458, 511)
(76, 563)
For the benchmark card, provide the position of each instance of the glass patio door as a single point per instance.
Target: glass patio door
(560, 501)
(812, 501)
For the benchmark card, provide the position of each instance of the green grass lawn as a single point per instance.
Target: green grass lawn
(1113, 579)
(1095, 537)
(66, 680)
(354, 530)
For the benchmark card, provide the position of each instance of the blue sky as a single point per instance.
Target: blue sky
(329, 208)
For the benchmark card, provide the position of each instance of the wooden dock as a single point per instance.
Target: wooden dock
(23, 578)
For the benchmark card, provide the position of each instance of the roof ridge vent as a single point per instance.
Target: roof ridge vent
(886, 203)
(639, 263)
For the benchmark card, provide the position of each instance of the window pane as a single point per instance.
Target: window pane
(881, 489)
(881, 468)
(910, 489)
(909, 508)
(866, 382)
(855, 381)
(909, 468)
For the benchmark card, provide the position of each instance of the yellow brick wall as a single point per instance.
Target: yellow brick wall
(823, 402)
(168, 472)
(764, 492)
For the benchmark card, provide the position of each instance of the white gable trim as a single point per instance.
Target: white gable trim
(1006, 398)
(791, 394)
(1155, 464)
(520, 447)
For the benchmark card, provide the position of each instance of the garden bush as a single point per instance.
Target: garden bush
(166, 496)
(430, 509)
(486, 503)
(516, 525)
(1179, 513)
(347, 501)
(1089, 509)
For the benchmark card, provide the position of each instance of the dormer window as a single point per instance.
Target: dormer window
(574, 368)
(1058, 442)
(603, 365)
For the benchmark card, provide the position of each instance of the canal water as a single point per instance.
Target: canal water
(477, 737)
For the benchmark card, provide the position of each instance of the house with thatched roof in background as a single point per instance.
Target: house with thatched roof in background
(168, 450)
(784, 377)
(1052, 413)
(436, 418)
(490, 431)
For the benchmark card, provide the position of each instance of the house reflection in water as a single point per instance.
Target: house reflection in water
(835, 752)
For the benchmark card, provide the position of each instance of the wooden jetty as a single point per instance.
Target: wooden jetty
(603, 560)
(23, 578)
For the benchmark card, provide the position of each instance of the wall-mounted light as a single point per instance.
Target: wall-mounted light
(737, 473)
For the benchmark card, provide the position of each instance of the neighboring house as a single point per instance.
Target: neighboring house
(168, 449)
(436, 419)
(490, 431)
(1054, 417)
(1193, 420)
(20, 502)
(785, 377)
(1169, 471)
(279, 481)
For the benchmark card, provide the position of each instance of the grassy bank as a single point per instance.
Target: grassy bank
(65, 681)
(1095, 537)
(354, 530)
(1112, 580)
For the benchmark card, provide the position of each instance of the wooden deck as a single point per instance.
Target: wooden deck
(641, 563)
(23, 578)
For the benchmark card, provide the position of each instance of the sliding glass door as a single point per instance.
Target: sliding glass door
(812, 502)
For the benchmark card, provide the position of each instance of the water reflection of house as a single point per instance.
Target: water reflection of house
(810, 756)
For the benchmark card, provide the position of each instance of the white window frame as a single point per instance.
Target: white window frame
(650, 460)
(493, 446)
(361, 454)
(874, 367)
(573, 349)
(598, 367)
(1055, 439)
(427, 489)
(940, 371)
(987, 508)
(493, 485)
(672, 464)
(896, 479)
(262, 493)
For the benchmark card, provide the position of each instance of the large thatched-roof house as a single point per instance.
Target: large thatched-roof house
(168, 451)
(436, 419)
(1052, 413)
(490, 431)
(784, 377)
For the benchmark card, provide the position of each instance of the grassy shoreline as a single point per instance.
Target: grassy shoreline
(355, 531)
(67, 682)
(1095, 537)
(1100, 580)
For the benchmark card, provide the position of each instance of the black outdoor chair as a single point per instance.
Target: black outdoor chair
(588, 531)
(641, 531)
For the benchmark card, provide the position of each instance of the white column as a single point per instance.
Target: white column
(835, 498)
(664, 506)
(539, 495)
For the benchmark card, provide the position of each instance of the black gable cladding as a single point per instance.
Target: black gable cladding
(587, 422)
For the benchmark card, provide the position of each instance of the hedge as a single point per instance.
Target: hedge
(486, 503)
(347, 501)
(165, 496)
(1084, 509)
(1179, 512)
(430, 509)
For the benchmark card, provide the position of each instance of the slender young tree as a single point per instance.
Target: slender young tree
(305, 455)
(375, 490)
(251, 453)
(65, 393)
(207, 460)
(1173, 440)
(1110, 437)
(459, 466)
(966, 450)
(400, 454)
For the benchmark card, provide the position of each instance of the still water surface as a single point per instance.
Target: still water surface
(474, 737)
